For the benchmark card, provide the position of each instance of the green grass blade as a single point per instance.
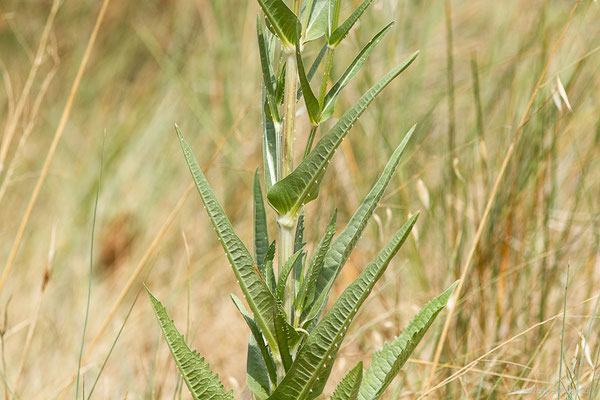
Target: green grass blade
(312, 104)
(388, 361)
(351, 71)
(298, 188)
(258, 339)
(349, 385)
(256, 292)
(340, 33)
(308, 375)
(267, 71)
(261, 232)
(284, 21)
(202, 383)
(343, 245)
(307, 290)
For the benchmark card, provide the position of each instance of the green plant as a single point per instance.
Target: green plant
(293, 342)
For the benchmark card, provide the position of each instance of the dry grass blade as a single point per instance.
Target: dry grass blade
(490, 202)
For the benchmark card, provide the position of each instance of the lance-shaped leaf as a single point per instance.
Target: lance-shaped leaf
(343, 245)
(307, 290)
(269, 271)
(285, 273)
(315, 19)
(309, 372)
(261, 233)
(267, 71)
(312, 104)
(299, 244)
(287, 337)
(284, 21)
(340, 33)
(257, 376)
(259, 342)
(351, 71)
(313, 69)
(202, 383)
(388, 361)
(269, 146)
(290, 193)
(255, 290)
(350, 384)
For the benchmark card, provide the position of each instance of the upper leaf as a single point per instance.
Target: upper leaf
(351, 71)
(340, 33)
(290, 193)
(309, 372)
(312, 104)
(350, 384)
(343, 245)
(202, 383)
(267, 71)
(284, 21)
(256, 292)
(388, 361)
(261, 233)
(316, 24)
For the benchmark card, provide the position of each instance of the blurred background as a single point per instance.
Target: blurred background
(156, 63)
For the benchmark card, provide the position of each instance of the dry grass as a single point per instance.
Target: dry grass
(158, 63)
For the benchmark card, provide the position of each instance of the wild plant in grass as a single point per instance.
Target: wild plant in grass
(294, 341)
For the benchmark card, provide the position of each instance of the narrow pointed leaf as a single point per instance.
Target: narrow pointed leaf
(258, 340)
(312, 104)
(261, 233)
(285, 273)
(257, 377)
(307, 290)
(269, 271)
(388, 361)
(343, 245)
(269, 147)
(333, 94)
(316, 26)
(309, 372)
(202, 383)
(256, 292)
(313, 69)
(340, 33)
(267, 71)
(290, 193)
(350, 384)
(284, 21)
(281, 334)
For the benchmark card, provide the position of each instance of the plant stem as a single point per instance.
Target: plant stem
(286, 223)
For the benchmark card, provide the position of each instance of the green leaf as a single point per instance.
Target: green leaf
(267, 71)
(269, 147)
(202, 383)
(290, 193)
(316, 25)
(388, 361)
(340, 33)
(343, 245)
(269, 271)
(281, 333)
(299, 244)
(285, 273)
(351, 71)
(309, 372)
(312, 104)
(313, 69)
(261, 232)
(259, 342)
(256, 292)
(307, 290)
(284, 21)
(350, 384)
(257, 377)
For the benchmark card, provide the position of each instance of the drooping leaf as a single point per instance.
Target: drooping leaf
(256, 292)
(202, 383)
(350, 384)
(388, 361)
(285, 273)
(258, 342)
(309, 372)
(267, 72)
(312, 104)
(284, 21)
(313, 69)
(340, 33)
(343, 245)
(290, 193)
(316, 24)
(351, 71)
(261, 233)
(307, 290)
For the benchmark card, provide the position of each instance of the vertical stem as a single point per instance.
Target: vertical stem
(286, 223)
